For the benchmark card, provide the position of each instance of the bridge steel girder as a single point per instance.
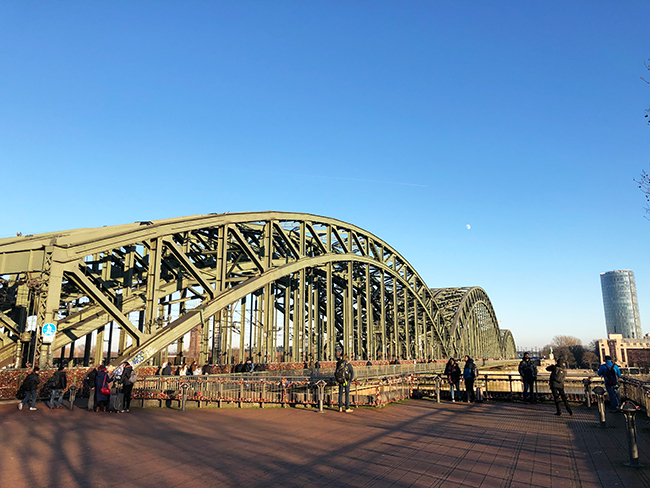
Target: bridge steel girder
(335, 285)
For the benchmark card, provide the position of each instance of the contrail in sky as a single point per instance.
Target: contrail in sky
(363, 180)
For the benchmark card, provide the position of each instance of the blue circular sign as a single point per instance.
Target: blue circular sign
(48, 332)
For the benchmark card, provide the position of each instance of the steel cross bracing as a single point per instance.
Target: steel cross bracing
(266, 285)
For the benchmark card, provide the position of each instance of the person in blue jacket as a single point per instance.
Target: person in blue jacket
(610, 373)
(470, 373)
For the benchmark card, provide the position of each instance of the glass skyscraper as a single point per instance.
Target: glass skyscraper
(621, 304)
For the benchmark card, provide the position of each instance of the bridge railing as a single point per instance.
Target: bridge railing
(508, 386)
(373, 386)
(241, 389)
(636, 390)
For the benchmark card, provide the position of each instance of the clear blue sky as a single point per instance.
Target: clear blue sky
(524, 120)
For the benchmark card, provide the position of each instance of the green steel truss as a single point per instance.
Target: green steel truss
(276, 286)
(472, 323)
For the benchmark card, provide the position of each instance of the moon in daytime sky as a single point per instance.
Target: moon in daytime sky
(468, 226)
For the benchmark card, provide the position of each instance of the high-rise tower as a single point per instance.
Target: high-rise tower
(621, 304)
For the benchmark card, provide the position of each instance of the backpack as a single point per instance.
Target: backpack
(132, 379)
(51, 383)
(342, 373)
(610, 376)
(21, 393)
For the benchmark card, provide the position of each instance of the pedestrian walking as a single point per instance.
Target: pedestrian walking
(128, 381)
(452, 372)
(59, 383)
(610, 373)
(344, 374)
(470, 372)
(528, 373)
(556, 383)
(30, 386)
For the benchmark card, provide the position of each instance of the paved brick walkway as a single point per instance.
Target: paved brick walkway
(415, 443)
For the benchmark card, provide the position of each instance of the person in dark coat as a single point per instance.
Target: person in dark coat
(30, 386)
(207, 369)
(102, 380)
(556, 382)
(452, 372)
(167, 370)
(128, 380)
(59, 382)
(90, 381)
(528, 373)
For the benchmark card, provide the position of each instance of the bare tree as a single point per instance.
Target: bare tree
(590, 360)
(644, 182)
(565, 341)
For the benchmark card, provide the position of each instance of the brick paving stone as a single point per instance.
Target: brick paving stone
(415, 443)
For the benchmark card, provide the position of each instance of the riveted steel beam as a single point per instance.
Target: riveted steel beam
(178, 253)
(89, 287)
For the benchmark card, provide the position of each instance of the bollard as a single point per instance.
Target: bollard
(73, 395)
(630, 410)
(184, 388)
(599, 391)
(438, 381)
(587, 383)
(321, 394)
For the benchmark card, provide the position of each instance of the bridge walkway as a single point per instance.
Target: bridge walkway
(413, 443)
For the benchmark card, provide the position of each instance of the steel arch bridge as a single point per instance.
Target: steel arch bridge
(274, 286)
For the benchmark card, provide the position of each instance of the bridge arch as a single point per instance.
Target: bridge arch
(272, 285)
(472, 323)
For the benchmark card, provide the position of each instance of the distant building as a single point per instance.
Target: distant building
(626, 352)
(621, 304)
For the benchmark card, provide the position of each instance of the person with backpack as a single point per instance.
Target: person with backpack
(58, 383)
(452, 372)
(128, 381)
(528, 373)
(470, 372)
(556, 383)
(610, 373)
(344, 374)
(30, 386)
